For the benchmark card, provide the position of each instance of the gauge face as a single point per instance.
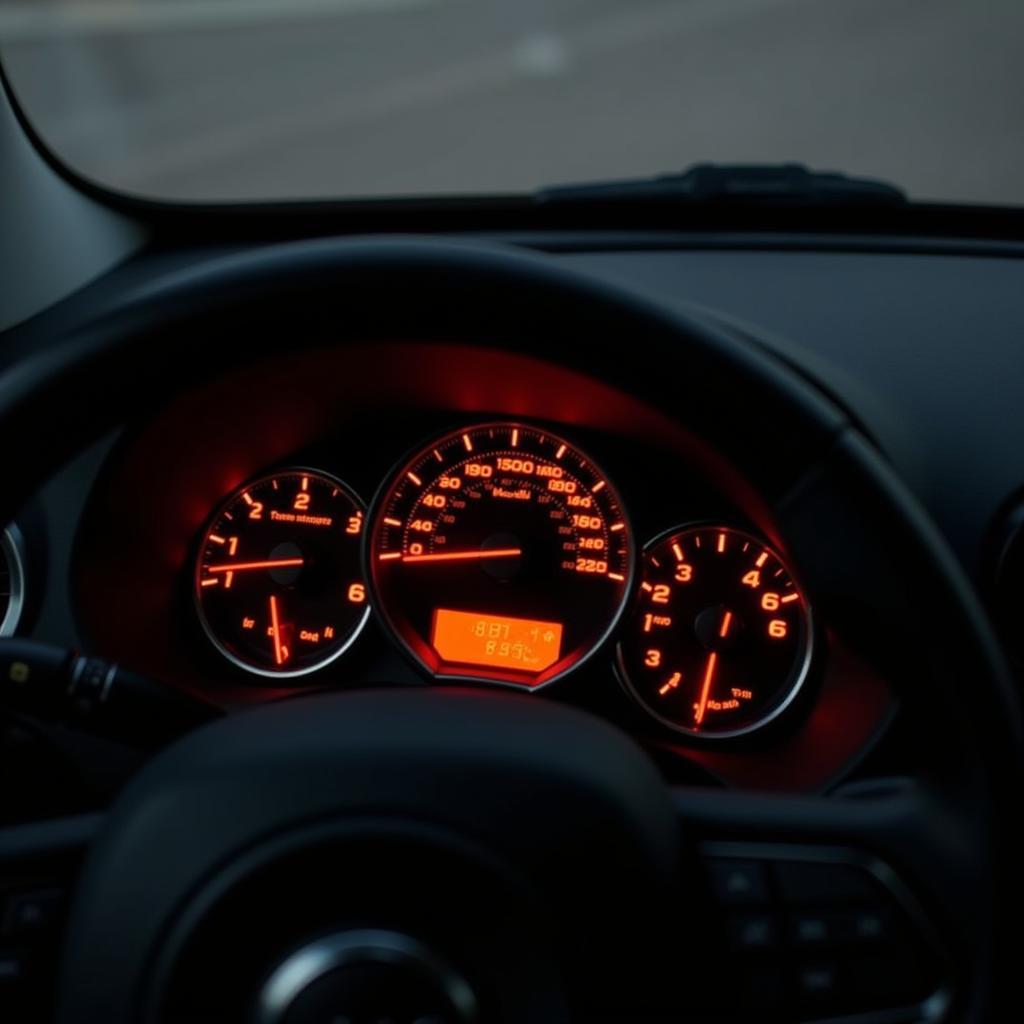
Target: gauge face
(500, 553)
(12, 580)
(719, 640)
(279, 584)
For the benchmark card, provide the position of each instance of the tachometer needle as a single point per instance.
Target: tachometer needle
(278, 563)
(275, 629)
(726, 623)
(705, 692)
(463, 556)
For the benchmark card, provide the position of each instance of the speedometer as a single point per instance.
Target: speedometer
(500, 553)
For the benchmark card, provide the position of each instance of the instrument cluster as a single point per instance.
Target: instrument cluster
(502, 554)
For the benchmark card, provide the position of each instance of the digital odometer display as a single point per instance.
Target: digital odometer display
(500, 553)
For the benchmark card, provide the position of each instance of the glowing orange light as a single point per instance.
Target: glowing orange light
(674, 680)
(726, 622)
(560, 452)
(414, 478)
(462, 556)
(762, 558)
(214, 539)
(721, 543)
(276, 630)
(617, 576)
(790, 597)
(468, 442)
(515, 437)
(678, 552)
(499, 641)
(278, 563)
(709, 675)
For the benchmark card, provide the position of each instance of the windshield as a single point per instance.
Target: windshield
(287, 99)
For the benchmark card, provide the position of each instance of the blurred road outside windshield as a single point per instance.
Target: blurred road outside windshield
(255, 99)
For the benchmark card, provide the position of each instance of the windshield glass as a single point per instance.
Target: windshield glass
(284, 99)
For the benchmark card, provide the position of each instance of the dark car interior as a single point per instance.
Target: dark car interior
(599, 604)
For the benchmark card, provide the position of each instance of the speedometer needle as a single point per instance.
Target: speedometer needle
(278, 563)
(462, 556)
(709, 675)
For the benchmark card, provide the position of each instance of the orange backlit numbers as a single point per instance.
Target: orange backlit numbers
(777, 629)
(752, 579)
(301, 503)
(416, 549)
(478, 469)
(656, 622)
(592, 543)
(562, 486)
(435, 500)
(524, 466)
(355, 523)
(684, 573)
(580, 501)
(591, 565)
(585, 522)
(256, 512)
(421, 526)
(661, 593)
(450, 483)
(652, 659)
(232, 545)
(357, 593)
(770, 602)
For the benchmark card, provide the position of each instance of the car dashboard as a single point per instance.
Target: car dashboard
(447, 510)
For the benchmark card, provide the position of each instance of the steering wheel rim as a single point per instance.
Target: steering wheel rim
(90, 377)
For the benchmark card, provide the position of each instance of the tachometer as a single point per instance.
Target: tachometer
(719, 640)
(500, 553)
(278, 582)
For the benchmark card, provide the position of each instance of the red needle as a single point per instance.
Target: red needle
(279, 563)
(709, 674)
(460, 556)
(275, 629)
(726, 622)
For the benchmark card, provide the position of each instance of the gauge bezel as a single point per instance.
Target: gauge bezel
(12, 545)
(409, 458)
(802, 674)
(208, 525)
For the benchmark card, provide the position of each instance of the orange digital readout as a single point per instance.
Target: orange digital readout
(498, 641)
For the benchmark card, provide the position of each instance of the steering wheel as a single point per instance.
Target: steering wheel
(451, 855)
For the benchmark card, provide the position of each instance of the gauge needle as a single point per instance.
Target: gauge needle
(276, 631)
(279, 563)
(709, 675)
(463, 556)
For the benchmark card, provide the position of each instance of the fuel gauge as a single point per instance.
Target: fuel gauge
(278, 583)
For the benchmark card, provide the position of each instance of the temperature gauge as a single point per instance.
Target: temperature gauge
(719, 640)
(278, 584)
